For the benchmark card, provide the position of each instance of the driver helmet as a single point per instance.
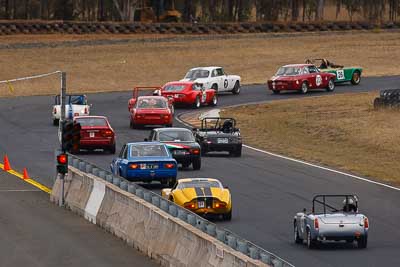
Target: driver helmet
(350, 205)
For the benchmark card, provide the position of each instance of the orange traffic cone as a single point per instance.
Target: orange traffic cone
(26, 176)
(7, 166)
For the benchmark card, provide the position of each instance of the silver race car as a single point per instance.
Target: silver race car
(333, 218)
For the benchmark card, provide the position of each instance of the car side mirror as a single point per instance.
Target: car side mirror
(146, 139)
(226, 187)
(304, 210)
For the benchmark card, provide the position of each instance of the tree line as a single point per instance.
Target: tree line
(196, 10)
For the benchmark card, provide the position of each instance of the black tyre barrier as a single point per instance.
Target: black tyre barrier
(388, 98)
(71, 27)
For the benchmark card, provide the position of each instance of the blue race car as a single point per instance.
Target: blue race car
(146, 162)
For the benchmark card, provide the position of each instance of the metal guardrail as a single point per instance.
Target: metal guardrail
(231, 239)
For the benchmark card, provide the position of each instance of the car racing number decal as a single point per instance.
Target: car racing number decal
(318, 80)
(225, 83)
(340, 74)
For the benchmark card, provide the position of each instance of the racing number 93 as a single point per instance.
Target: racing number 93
(340, 74)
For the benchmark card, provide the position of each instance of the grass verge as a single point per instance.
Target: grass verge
(95, 68)
(343, 131)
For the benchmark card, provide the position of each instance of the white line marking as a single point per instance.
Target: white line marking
(307, 163)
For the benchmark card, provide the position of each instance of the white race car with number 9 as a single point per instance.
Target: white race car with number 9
(215, 78)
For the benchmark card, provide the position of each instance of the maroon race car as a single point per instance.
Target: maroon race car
(189, 93)
(301, 77)
(96, 133)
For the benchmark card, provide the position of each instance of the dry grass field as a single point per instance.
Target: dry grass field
(342, 131)
(117, 67)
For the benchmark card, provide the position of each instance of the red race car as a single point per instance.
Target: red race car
(189, 93)
(301, 77)
(151, 109)
(96, 133)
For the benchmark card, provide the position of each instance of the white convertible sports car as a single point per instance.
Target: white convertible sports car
(215, 78)
(76, 105)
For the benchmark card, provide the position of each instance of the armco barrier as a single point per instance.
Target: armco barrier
(161, 229)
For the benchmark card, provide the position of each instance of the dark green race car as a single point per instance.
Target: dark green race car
(343, 74)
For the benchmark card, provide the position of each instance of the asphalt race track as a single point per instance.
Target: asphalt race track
(267, 191)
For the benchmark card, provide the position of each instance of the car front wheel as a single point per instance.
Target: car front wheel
(331, 86)
(304, 88)
(214, 100)
(197, 102)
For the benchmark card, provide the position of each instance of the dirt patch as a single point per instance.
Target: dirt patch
(342, 131)
(93, 68)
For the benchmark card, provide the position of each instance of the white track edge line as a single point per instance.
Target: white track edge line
(308, 163)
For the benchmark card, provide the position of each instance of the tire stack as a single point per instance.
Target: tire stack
(388, 98)
(79, 27)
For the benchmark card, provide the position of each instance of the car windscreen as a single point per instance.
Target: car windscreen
(332, 204)
(77, 100)
(289, 71)
(148, 150)
(199, 184)
(176, 136)
(197, 73)
(174, 88)
(72, 99)
(91, 121)
(151, 103)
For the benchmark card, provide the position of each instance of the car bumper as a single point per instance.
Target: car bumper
(152, 121)
(348, 235)
(150, 175)
(212, 211)
(99, 143)
(185, 158)
(207, 147)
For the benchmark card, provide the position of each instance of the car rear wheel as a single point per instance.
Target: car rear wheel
(196, 163)
(331, 86)
(227, 216)
(356, 78)
(236, 153)
(236, 88)
(112, 149)
(310, 242)
(304, 88)
(197, 102)
(169, 125)
(214, 100)
(362, 242)
(276, 92)
(171, 182)
(297, 238)
(132, 125)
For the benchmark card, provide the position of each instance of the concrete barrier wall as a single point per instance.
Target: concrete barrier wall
(167, 239)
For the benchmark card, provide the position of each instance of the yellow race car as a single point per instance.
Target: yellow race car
(201, 195)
